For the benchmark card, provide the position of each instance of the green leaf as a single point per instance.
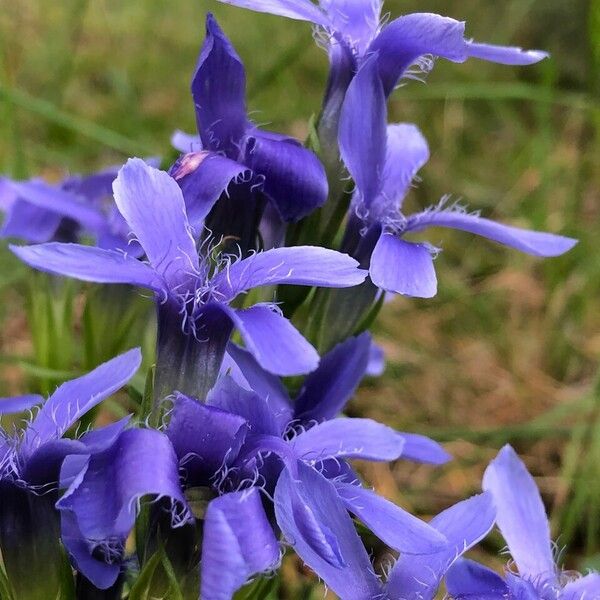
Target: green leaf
(264, 588)
(5, 591)
(142, 588)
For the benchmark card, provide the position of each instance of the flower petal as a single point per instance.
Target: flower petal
(100, 573)
(505, 55)
(348, 438)
(584, 588)
(468, 580)
(521, 516)
(463, 524)
(218, 89)
(203, 177)
(537, 243)
(204, 438)
(356, 21)
(362, 131)
(302, 10)
(43, 467)
(396, 527)
(409, 37)
(407, 151)
(238, 542)
(246, 371)
(104, 497)
(151, 202)
(326, 390)
(403, 267)
(29, 223)
(252, 408)
(401, 43)
(376, 365)
(186, 142)
(64, 203)
(299, 265)
(294, 178)
(309, 505)
(420, 448)
(74, 398)
(87, 263)
(275, 343)
(19, 403)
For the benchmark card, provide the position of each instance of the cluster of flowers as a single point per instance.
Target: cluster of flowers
(228, 465)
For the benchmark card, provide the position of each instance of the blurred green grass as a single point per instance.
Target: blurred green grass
(508, 351)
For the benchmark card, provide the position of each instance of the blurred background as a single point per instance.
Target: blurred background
(508, 350)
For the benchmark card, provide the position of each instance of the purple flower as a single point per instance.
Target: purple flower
(105, 484)
(36, 211)
(521, 518)
(383, 160)
(353, 30)
(193, 297)
(313, 519)
(262, 165)
(30, 463)
(357, 27)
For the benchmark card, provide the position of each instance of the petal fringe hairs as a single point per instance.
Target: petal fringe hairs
(264, 263)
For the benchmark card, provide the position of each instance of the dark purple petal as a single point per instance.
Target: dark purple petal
(42, 469)
(294, 178)
(254, 409)
(407, 151)
(205, 438)
(316, 523)
(92, 442)
(300, 265)
(584, 588)
(326, 390)
(362, 131)
(396, 527)
(403, 267)
(463, 524)
(420, 448)
(152, 202)
(98, 440)
(275, 343)
(505, 55)
(409, 37)
(537, 243)
(89, 264)
(248, 373)
(74, 398)
(521, 516)
(104, 497)
(348, 438)
(238, 543)
(218, 89)
(19, 403)
(302, 10)
(468, 580)
(203, 177)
